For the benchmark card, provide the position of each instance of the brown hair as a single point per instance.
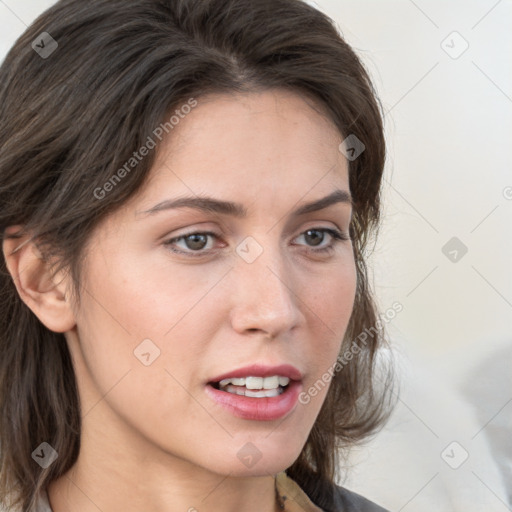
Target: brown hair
(71, 117)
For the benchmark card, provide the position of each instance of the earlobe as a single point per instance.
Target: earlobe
(47, 295)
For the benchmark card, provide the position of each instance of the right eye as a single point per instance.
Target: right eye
(194, 242)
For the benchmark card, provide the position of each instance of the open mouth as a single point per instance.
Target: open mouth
(258, 398)
(253, 387)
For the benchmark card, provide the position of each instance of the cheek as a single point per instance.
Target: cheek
(128, 305)
(330, 312)
(140, 299)
(115, 329)
(332, 304)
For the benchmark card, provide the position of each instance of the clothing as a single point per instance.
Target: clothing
(296, 500)
(43, 505)
(291, 496)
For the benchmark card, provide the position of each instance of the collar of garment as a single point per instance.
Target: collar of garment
(291, 497)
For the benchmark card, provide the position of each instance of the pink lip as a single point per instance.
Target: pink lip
(259, 370)
(259, 409)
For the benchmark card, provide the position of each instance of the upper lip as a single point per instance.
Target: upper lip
(260, 370)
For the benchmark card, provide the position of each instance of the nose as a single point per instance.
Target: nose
(264, 298)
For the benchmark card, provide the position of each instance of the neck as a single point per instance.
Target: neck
(109, 477)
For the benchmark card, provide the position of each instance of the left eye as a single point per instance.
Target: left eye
(197, 241)
(335, 235)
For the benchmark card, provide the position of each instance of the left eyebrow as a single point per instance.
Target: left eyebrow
(212, 205)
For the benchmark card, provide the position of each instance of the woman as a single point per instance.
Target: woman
(187, 189)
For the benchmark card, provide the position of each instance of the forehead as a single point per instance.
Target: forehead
(257, 117)
(269, 151)
(275, 135)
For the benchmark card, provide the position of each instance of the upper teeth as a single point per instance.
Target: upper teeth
(257, 382)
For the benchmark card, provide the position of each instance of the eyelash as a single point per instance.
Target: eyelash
(338, 236)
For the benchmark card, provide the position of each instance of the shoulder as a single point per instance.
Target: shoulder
(349, 501)
(325, 496)
(42, 502)
(334, 498)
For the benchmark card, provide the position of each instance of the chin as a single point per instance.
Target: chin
(259, 458)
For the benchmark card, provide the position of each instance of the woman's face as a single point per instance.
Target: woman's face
(174, 299)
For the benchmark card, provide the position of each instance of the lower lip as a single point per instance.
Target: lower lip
(259, 409)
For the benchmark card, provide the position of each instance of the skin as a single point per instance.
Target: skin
(151, 437)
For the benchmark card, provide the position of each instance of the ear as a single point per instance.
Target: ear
(46, 294)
